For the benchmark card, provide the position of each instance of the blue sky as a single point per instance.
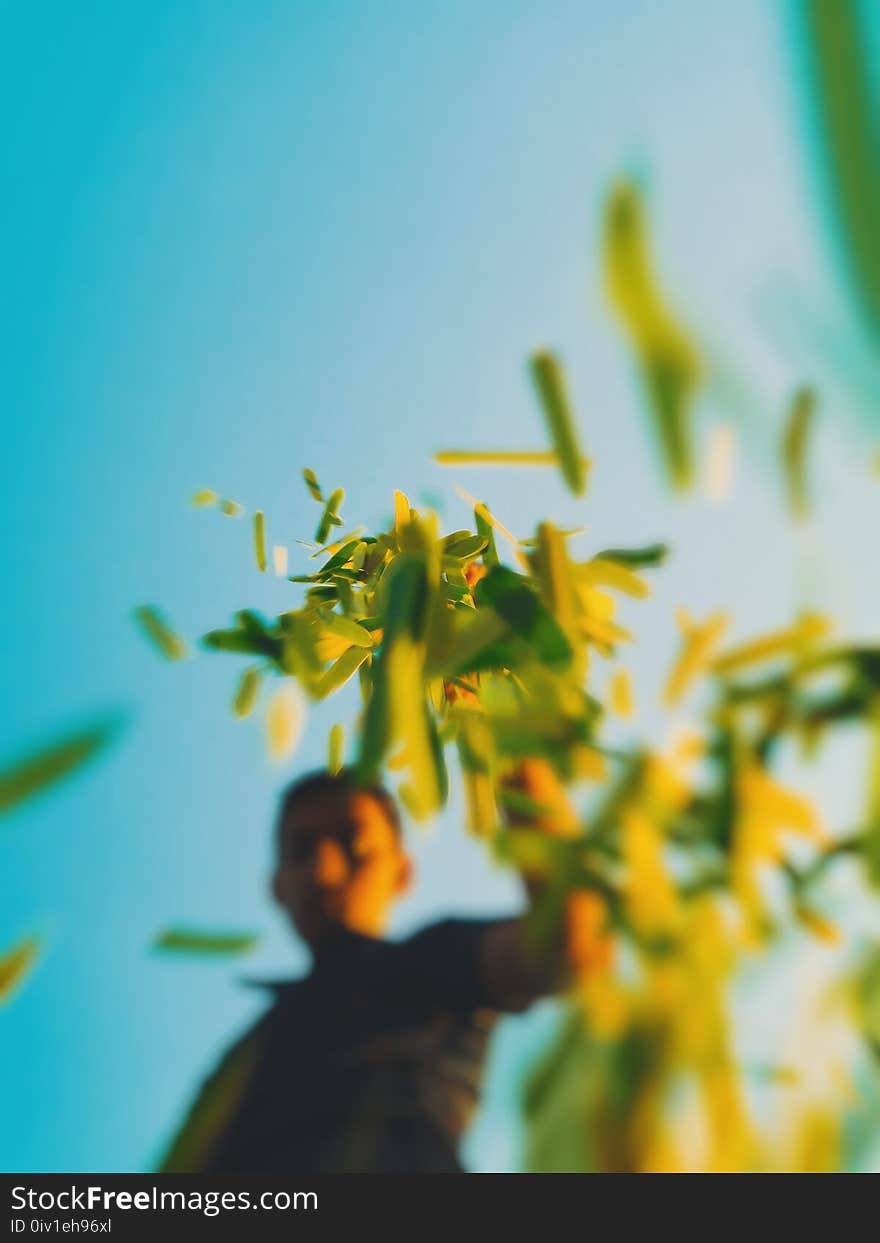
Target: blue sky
(245, 238)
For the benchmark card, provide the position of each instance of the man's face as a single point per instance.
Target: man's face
(341, 865)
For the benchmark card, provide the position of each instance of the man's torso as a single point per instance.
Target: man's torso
(372, 1063)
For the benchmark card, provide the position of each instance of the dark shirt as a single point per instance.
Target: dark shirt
(373, 1062)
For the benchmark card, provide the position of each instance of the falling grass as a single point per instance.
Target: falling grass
(48, 765)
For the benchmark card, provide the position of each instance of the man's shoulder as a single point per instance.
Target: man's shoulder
(442, 963)
(456, 935)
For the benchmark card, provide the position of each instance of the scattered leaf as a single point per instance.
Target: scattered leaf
(43, 768)
(260, 540)
(16, 965)
(550, 386)
(210, 943)
(159, 632)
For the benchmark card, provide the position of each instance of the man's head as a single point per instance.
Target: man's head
(340, 856)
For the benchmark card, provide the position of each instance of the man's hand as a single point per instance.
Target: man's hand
(516, 974)
(535, 782)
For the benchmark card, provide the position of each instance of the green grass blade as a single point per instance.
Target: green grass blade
(51, 764)
(550, 386)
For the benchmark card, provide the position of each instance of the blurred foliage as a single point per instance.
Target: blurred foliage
(477, 649)
(28, 778)
(695, 858)
(794, 451)
(201, 941)
(159, 632)
(844, 103)
(16, 965)
(667, 357)
(687, 863)
(48, 765)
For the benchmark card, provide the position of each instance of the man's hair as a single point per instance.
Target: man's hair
(320, 783)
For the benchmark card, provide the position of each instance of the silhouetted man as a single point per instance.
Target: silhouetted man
(372, 1062)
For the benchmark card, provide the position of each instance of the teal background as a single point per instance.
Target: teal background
(244, 238)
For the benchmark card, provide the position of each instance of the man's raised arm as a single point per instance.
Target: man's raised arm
(516, 971)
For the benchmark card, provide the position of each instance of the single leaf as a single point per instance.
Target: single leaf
(340, 671)
(233, 641)
(550, 386)
(699, 641)
(795, 442)
(484, 529)
(335, 745)
(649, 557)
(260, 540)
(556, 576)
(331, 646)
(376, 730)
(43, 768)
(313, 486)
(204, 498)
(402, 511)
(284, 722)
(279, 560)
(330, 516)
(463, 546)
(606, 572)
(667, 358)
(200, 941)
(246, 695)
(16, 964)
(790, 640)
(839, 68)
(408, 600)
(341, 557)
(718, 467)
(252, 637)
(300, 657)
(479, 795)
(346, 629)
(620, 694)
(160, 633)
(501, 457)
